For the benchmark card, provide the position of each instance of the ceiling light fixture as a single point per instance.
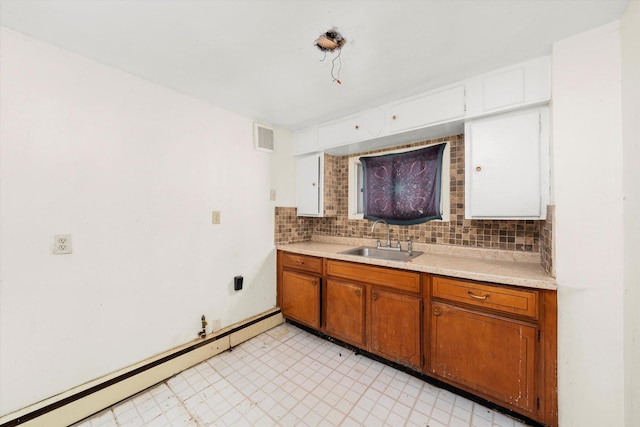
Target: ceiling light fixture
(332, 41)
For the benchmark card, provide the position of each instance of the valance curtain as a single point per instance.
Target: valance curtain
(403, 188)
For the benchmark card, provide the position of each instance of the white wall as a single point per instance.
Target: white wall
(630, 32)
(132, 170)
(588, 160)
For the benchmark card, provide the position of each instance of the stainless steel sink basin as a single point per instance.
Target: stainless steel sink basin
(371, 252)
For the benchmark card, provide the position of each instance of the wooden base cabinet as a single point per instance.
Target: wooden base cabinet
(301, 298)
(299, 287)
(345, 317)
(395, 327)
(487, 354)
(495, 341)
(498, 342)
(377, 309)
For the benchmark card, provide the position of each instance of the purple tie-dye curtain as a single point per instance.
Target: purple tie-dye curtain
(403, 188)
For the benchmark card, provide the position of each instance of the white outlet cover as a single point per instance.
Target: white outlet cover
(62, 244)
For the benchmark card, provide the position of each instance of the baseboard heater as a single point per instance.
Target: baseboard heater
(85, 400)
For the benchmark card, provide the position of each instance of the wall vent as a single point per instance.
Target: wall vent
(263, 138)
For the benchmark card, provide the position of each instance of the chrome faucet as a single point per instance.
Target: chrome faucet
(388, 237)
(388, 234)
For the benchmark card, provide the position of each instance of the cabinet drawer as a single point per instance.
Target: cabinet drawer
(302, 262)
(391, 278)
(508, 300)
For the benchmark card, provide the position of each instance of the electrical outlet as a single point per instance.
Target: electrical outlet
(272, 195)
(216, 326)
(62, 244)
(215, 217)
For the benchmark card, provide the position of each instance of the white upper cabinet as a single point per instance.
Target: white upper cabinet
(517, 86)
(340, 132)
(507, 165)
(309, 184)
(432, 114)
(305, 141)
(426, 109)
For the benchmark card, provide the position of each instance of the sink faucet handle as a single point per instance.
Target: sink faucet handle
(398, 244)
(378, 243)
(409, 246)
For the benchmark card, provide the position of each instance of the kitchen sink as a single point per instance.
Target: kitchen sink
(385, 254)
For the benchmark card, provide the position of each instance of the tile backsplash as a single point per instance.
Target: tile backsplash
(546, 242)
(520, 235)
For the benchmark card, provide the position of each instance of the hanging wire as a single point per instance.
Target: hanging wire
(333, 64)
(324, 57)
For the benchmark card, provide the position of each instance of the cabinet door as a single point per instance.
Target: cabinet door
(341, 132)
(444, 105)
(516, 86)
(305, 141)
(309, 174)
(346, 311)
(395, 327)
(505, 163)
(301, 298)
(487, 354)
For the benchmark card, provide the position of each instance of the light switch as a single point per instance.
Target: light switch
(215, 217)
(272, 195)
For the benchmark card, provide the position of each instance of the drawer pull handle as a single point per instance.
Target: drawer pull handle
(299, 262)
(437, 311)
(482, 298)
(358, 292)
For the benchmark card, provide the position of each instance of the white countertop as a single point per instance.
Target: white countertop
(487, 265)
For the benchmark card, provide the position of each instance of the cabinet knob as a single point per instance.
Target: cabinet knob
(299, 262)
(358, 292)
(357, 127)
(478, 168)
(437, 311)
(394, 117)
(313, 184)
(374, 297)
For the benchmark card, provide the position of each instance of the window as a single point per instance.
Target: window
(356, 183)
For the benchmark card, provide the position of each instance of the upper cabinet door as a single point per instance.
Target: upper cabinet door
(424, 110)
(309, 174)
(516, 86)
(305, 141)
(341, 132)
(506, 171)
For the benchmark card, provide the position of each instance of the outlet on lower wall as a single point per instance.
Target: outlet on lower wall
(216, 325)
(62, 244)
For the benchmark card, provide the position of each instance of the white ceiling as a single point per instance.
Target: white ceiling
(258, 58)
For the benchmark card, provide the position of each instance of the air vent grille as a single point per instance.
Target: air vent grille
(263, 138)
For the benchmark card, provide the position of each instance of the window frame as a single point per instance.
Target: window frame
(355, 185)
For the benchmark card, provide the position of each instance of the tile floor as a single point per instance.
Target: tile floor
(288, 377)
